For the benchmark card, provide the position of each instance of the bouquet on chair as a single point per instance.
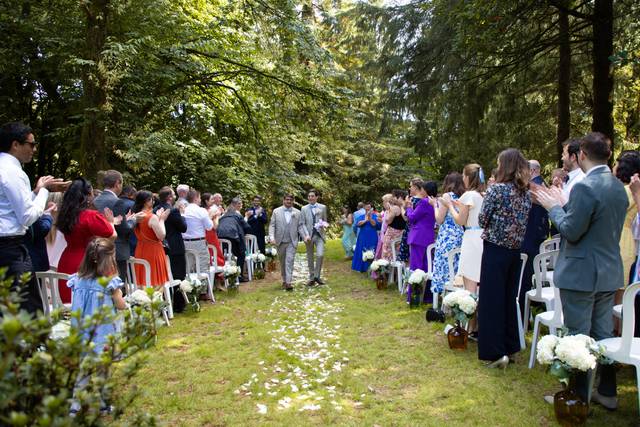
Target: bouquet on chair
(462, 304)
(192, 290)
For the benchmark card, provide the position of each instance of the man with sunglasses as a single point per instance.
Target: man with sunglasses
(19, 208)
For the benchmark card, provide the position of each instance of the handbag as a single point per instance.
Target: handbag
(435, 315)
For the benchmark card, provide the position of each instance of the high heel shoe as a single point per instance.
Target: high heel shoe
(503, 362)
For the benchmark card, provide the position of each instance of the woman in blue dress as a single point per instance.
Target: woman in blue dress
(368, 224)
(449, 234)
(348, 236)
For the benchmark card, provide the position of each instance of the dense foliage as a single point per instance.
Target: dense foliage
(350, 97)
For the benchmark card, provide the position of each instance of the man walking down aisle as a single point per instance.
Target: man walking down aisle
(314, 217)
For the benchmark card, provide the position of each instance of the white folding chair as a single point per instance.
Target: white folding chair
(226, 249)
(549, 246)
(626, 349)
(431, 249)
(553, 319)
(171, 283)
(523, 260)
(133, 283)
(48, 282)
(251, 243)
(539, 293)
(449, 285)
(215, 268)
(396, 266)
(195, 271)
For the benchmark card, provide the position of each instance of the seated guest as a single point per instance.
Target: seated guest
(198, 222)
(233, 227)
(174, 226)
(124, 248)
(367, 240)
(150, 231)
(80, 224)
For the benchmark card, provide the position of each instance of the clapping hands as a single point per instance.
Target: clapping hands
(108, 214)
(163, 214)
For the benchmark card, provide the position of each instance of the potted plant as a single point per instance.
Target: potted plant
(417, 280)
(271, 253)
(191, 289)
(462, 304)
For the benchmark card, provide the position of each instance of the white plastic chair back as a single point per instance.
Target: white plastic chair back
(628, 321)
(134, 282)
(523, 260)
(226, 248)
(251, 243)
(394, 251)
(540, 270)
(550, 245)
(449, 285)
(397, 267)
(48, 282)
(193, 271)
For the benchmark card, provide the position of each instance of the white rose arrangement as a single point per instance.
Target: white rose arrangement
(368, 255)
(231, 271)
(462, 303)
(379, 266)
(192, 289)
(271, 252)
(417, 277)
(138, 297)
(569, 353)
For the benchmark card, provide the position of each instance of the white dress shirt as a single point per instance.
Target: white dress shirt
(575, 176)
(19, 206)
(198, 221)
(287, 215)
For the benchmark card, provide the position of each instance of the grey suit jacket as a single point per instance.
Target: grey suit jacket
(590, 225)
(277, 226)
(307, 217)
(106, 199)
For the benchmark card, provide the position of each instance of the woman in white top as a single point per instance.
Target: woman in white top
(465, 212)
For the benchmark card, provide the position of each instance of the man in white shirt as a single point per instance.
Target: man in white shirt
(20, 207)
(570, 151)
(198, 222)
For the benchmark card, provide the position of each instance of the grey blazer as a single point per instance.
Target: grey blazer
(277, 226)
(106, 199)
(590, 224)
(307, 217)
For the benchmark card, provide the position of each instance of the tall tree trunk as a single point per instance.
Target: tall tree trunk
(93, 150)
(602, 75)
(564, 85)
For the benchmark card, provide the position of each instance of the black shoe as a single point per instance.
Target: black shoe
(311, 283)
(319, 281)
(243, 280)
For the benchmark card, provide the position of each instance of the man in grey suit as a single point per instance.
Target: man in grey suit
(589, 267)
(112, 181)
(285, 229)
(312, 215)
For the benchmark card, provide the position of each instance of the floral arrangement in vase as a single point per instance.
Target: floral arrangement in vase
(368, 255)
(381, 268)
(271, 253)
(259, 260)
(192, 288)
(232, 272)
(463, 305)
(417, 280)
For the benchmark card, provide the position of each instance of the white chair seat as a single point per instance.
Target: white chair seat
(546, 295)
(549, 276)
(612, 345)
(617, 311)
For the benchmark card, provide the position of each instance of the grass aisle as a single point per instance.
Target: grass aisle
(344, 354)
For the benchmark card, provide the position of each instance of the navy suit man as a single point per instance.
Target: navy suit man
(257, 219)
(537, 232)
(124, 248)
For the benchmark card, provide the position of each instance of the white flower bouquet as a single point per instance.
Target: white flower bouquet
(379, 266)
(270, 252)
(321, 225)
(192, 289)
(258, 257)
(368, 255)
(569, 353)
(138, 298)
(417, 277)
(462, 303)
(231, 271)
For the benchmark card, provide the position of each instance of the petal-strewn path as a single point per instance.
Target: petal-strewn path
(341, 354)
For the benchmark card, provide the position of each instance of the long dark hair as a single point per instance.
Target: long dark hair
(514, 168)
(75, 200)
(204, 199)
(628, 164)
(141, 198)
(453, 183)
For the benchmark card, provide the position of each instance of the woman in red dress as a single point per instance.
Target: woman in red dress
(211, 235)
(80, 224)
(150, 232)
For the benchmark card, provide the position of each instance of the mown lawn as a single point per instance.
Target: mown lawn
(392, 368)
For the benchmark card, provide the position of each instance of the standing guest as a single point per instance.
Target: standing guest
(627, 165)
(257, 218)
(359, 211)
(182, 190)
(422, 221)
(403, 254)
(504, 215)
(150, 231)
(312, 215)
(212, 235)
(286, 228)
(465, 211)
(55, 239)
(386, 207)
(396, 223)
(449, 234)
(112, 181)
(589, 267)
(368, 223)
(570, 151)
(537, 232)
(348, 236)
(233, 227)
(198, 221)
(174, 226)
(19, 208)
(36, 239)
(124, 248)
(217, 202)
(80, 224)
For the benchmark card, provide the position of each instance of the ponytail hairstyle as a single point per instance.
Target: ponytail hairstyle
(475, 177)
(76, 199)
(99, 259)
(513, 168)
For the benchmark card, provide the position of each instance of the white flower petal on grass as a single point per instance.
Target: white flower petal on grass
(262, 409)
(310, 407)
